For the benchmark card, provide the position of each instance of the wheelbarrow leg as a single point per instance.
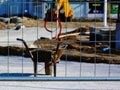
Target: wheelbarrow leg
(35, 69)
(54, 69)
(48, 68)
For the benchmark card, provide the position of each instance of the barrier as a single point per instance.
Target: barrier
(84, 58)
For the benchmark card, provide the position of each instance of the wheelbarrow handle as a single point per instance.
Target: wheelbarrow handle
(27, 49)
(19, 39)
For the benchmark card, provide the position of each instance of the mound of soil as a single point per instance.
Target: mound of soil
(2, 25)
(82, 50)
(32, 22)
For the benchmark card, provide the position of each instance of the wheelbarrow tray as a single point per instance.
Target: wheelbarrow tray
(41, 55)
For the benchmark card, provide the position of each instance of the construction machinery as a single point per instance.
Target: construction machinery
(61, 9)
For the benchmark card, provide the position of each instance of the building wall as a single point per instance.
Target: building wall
(16, 7)
(37, 9)
(79, 9)
(3, 9)
(10, 7)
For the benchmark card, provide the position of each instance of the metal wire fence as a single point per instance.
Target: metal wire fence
(92, 52)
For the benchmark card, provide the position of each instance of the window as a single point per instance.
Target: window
(96, 8)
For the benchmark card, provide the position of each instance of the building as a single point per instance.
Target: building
(38, 8)
(22, 7)
(10, 7)
(80, 9)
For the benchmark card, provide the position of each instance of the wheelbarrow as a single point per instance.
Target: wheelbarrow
(47, 56)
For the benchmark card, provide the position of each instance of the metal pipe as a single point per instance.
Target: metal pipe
(60, 78)
(118, 16)
(53, 3)
(105, 13)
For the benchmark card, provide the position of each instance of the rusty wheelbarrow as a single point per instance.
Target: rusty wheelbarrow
(46, 56)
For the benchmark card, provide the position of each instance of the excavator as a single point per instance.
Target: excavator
(61, 9)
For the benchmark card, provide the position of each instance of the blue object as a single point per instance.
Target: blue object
(106, 48)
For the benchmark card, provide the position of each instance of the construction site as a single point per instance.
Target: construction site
(53, 38)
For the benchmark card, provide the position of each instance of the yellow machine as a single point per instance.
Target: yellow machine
(65, 6)
(63, 11)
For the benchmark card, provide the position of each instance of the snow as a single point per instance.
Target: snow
(22, 67)
(59, 86)
(14, 66)
(28, 34)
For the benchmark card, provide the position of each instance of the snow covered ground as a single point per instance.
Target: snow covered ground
(14, 66)
(19, 67)
(28, 34)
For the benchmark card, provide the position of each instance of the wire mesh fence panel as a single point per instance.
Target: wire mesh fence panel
(59, 40)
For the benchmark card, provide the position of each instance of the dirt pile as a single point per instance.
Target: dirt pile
(32, 22)
(2, 25)
(83, 51)
(11, 50)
